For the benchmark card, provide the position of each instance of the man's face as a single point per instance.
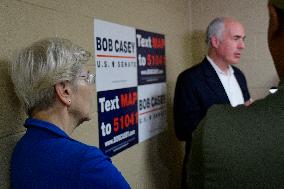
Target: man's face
(231, 43)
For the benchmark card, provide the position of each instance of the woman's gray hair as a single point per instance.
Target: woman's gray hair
(39, 67)
(215, 28)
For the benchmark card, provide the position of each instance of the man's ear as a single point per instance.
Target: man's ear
(273, 21)
(63, 92)
(214, 42)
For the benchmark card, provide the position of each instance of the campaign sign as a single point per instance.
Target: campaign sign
(118, 120)
(130, 84)
(115, 56)
(152, 110)
(150, 57)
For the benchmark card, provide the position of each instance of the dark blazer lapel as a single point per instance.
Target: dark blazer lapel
(214, 82)
(239, 79)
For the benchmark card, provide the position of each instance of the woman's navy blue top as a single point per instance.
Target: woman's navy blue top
(46, 157)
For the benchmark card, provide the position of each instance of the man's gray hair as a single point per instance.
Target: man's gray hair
(37, 68)
(215, 28)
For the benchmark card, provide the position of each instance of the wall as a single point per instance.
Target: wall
(155, 163)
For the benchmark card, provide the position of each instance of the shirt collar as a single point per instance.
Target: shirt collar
(36, 123)
(217, 69)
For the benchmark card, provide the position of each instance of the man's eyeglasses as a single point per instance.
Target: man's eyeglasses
(90, 78)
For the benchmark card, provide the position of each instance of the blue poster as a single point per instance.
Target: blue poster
(150, 57)
(118, 119)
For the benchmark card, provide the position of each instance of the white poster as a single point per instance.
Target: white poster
(115, 56)
(152, 111)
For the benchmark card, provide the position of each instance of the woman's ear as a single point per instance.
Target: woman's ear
(63, 91)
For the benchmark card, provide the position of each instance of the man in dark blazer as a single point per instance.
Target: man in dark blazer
(243, 147)
(214, 81)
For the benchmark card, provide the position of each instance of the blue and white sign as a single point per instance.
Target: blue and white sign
(130, 84)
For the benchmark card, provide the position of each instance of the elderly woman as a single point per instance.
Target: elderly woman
(55, 88)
